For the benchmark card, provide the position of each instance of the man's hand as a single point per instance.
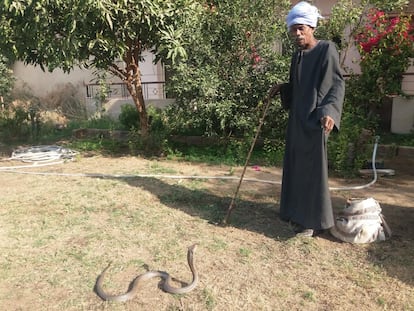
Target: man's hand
(327, 123)
(274, 90)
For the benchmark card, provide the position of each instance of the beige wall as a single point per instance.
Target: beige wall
(42, 83)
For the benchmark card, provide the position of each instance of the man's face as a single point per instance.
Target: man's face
(303, 35)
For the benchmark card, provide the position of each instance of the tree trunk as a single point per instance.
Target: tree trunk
(131, 75)
(135, 89)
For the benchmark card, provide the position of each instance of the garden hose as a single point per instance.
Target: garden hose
(40, 156)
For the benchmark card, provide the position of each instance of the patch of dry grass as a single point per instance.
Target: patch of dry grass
(59, 232)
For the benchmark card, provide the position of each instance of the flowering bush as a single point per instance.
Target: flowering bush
(386, 46)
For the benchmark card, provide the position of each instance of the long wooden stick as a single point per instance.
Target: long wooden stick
(233, 201)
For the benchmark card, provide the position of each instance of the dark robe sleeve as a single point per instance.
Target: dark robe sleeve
(333, 86)
(286, 95)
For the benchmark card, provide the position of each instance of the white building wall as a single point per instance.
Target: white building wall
(42, 82)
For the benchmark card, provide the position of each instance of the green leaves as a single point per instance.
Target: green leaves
(6, 78)
(229, 68)
(170, 44)
(63, 33)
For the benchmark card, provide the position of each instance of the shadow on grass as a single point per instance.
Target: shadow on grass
(394, 255)
(261, 217)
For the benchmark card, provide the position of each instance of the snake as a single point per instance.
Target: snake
(166, 286)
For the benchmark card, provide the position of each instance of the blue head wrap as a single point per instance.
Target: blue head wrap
(303, 13)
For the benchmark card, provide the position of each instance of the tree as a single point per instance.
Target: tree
(106, 34)
(232, 64)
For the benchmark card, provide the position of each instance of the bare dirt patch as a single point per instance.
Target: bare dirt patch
(59, 231)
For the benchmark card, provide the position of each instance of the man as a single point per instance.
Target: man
(314, 97)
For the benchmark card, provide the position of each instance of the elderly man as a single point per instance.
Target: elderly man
(314, 97)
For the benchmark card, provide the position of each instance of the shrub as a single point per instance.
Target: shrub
(386, 46)
(129, 117)
(153, 144)
(14, 123)
(233, 63)
(156, 142)
(67, 100)
(349, 148)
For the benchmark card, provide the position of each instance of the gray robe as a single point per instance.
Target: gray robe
(315, 89)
